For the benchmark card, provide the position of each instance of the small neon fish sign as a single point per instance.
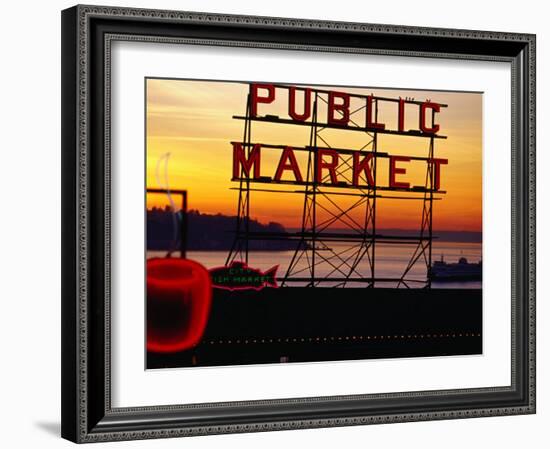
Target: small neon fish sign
(239, 276)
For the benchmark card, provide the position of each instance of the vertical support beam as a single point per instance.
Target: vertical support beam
(248, 151)
(306, 211)
(314, 196)
(183, 225)
(430, 230)
(373, 212)
(237, 247)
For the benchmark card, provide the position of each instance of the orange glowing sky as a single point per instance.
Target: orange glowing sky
(192, 120)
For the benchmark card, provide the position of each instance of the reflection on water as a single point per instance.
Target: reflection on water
(391, 261)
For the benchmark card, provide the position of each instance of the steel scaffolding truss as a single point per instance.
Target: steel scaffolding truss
(325, 220)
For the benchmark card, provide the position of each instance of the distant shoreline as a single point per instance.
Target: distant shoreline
(206, 232)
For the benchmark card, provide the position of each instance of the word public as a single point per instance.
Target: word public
(339, 107)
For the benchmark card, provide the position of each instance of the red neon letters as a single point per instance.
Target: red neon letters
(437, 163)
(331, 166)
(422, 125)
(288, 162)
(240, 161)
(328, 163)
(338, 111)
(292, 104)
(340, 106)
(370, 123)
(394, 170)
(362, 165)
(256, 98)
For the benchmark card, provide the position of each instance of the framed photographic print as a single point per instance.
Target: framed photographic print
(279, 223)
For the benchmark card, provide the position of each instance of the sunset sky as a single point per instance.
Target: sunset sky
(192, 120)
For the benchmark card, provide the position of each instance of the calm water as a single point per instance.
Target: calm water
(391, 261)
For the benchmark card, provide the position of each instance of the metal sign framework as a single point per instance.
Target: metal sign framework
(314, 263)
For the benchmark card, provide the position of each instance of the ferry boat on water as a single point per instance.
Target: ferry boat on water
(460, 271)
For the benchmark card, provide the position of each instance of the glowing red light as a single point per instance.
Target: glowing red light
(179, 297)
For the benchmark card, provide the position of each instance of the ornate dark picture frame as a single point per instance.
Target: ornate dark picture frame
(87, 413)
